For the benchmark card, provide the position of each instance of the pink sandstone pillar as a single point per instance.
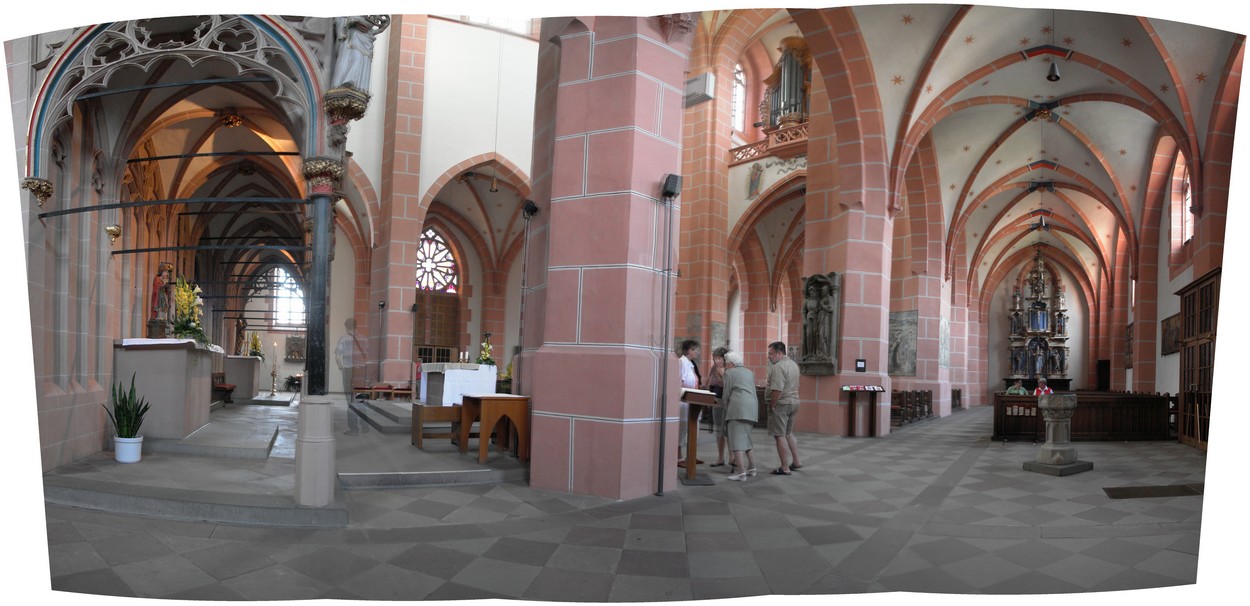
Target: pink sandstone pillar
(595, 379)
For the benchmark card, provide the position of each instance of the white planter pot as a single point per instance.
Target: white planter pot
(127, 450)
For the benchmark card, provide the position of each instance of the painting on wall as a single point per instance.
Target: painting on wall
(903, 331)
(295, 349)
(1170, 341)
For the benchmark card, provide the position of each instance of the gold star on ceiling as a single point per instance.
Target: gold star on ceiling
(1123, 152)
(952, 187)
(1126, 43)
(907, 19)
(1046, 29)
(1201, 77)
(969, 39)
(1163, 88)
(928, 89)
(1024, 42)
(1132, 188)
(967, 148)
(1069, 40)
(897, 79)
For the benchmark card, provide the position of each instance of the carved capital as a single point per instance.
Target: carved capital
(322, 174)
(678, 24)
(345, 104)
(42, 188)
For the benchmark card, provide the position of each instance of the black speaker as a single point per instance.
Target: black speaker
(530, 209)
(672, 186)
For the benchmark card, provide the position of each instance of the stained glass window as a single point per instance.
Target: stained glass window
(436, 267)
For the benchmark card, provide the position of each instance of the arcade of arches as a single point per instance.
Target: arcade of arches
(931, 158)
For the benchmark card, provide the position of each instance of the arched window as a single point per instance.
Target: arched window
(436, 268)
(1187, 208)
(288, 299)
(1182, 209)
(739, 99)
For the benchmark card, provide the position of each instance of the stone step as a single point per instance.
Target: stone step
(385, 419)
(184, 504)
(510, 471)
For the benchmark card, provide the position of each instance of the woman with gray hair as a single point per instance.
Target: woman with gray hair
(741, 413)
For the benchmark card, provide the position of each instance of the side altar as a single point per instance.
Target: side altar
(446, 383)
(1038, 336)
(175, 375)
(244, 372)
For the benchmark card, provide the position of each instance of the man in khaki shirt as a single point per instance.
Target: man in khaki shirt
(783, 405)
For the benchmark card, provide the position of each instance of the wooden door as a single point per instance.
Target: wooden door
(1199, 318)
(436, 327)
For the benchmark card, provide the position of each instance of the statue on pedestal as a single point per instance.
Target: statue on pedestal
(161, 318)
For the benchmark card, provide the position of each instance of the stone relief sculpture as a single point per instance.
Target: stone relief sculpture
(903, 332)
(820, 320)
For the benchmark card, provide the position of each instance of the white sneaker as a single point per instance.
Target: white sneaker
(739, 477)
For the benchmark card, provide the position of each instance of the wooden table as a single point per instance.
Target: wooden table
(695, 399)
(489, 409)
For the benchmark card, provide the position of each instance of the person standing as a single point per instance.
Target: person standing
(349, 354)
(716, 385)
(691, 379)
(1042, 388)
(783, 406)
(741, 409)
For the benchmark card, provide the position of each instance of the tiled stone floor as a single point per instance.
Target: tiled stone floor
(934, 507)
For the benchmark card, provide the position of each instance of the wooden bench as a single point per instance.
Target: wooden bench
(222, 388)
(423, 413)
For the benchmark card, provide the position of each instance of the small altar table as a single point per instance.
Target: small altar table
(489, 409)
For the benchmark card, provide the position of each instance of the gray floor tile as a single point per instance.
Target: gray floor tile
(553, 584)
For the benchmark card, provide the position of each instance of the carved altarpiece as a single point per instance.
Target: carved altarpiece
(1038, 337)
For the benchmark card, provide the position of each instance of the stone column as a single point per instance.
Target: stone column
(598, 255)
(1057, 457)
(315, 470)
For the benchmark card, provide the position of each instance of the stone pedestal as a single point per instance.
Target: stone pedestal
(315, 471)
(1057, 457)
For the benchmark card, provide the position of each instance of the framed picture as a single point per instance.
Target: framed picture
(295, 349)
(1170, 335)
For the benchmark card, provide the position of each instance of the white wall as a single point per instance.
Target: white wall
(1168, 368)
(469, 90)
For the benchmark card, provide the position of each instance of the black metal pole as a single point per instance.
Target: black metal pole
(318, 285)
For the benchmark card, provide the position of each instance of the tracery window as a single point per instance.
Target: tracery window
(288, 299)
(436, 267)
(739, 98)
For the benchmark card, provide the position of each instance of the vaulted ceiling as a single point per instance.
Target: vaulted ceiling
(971, 83)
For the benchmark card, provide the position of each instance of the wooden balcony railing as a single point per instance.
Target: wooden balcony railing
(781, 143)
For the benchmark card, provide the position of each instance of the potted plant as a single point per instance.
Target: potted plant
(127, 417)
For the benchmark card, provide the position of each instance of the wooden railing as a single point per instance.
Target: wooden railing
(782, 143)
(1099, 415)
